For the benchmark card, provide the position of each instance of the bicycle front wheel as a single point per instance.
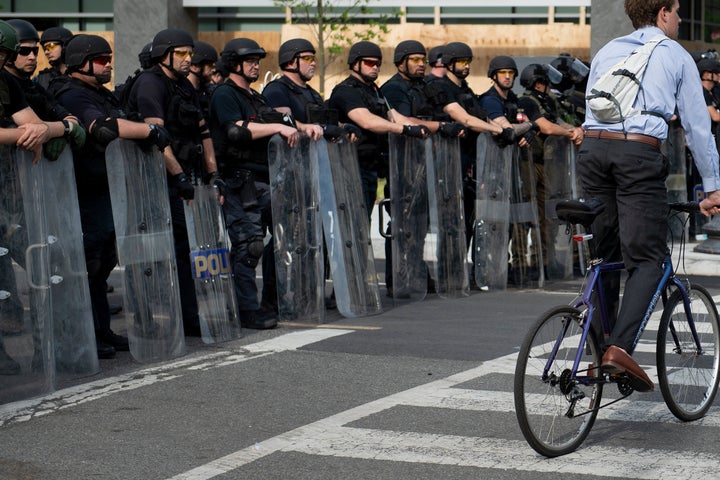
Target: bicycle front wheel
(555, 409)
(688, 375)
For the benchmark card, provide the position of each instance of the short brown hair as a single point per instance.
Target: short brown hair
(644, 13)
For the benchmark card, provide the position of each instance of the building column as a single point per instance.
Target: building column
(137, 21)
(608, 20)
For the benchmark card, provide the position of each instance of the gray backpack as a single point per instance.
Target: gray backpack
(612, 97)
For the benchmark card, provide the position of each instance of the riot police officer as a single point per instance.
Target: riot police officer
(202, 65)
(89, 65)
(53, 42)
(242, 123)
(22, 66)
(455, 100)
(359, 100)
(162, 94)
(31, 134)
(437, 67)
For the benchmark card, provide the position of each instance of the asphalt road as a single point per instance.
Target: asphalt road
(421, 391)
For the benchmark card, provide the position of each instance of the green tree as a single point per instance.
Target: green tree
(330, 22)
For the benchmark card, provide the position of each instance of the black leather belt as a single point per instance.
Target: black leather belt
(631, 137)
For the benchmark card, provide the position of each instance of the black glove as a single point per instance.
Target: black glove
(352, 129)
(332, 133)
(506, 137)
(54, 147)
(529, 136)
(417, 131)
(183, 187)
(159, 136)
(451, 129)
(217, 182)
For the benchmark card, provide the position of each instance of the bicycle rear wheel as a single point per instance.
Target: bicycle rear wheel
(689, 377)
(555, 411)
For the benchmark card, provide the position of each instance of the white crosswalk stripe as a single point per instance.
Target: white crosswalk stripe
(334, 437)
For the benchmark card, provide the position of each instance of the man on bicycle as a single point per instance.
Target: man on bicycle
(621, 164)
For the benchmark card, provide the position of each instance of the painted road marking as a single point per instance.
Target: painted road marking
(67, 398)
(331, 437)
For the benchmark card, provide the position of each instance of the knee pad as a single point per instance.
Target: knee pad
(255, 247)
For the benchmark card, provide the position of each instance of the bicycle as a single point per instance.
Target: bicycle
(558, 383)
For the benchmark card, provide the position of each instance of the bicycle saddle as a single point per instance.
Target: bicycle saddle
(580, 211)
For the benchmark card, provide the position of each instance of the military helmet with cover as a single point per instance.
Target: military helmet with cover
(8, 38)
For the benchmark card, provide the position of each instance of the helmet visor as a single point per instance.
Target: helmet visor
(554, 75)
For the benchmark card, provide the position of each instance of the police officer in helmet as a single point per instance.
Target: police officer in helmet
(202, 66)
(162, 94)
(242, 124)
(53, 42)
(358, 100)
(89, 66)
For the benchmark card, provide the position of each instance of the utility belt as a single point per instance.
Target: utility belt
(241, 182)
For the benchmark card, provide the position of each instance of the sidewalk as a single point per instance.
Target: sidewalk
(694, 263)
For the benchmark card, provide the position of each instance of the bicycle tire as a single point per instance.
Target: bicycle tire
(540, 405)
(689, 381)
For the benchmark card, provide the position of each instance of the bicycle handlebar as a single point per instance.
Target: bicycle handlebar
(687, 207)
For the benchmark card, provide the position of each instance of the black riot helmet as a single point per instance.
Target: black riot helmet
(168, 39)
(144, 57)
(203, 52)
(574, 72)
(237, 48)
(362, 50)
(292, 48)
(83, 48)
(60, 35)
(502, 62)
(454, 50)
(533, 73)
(436, 54)
(407, 47)
(25, 30)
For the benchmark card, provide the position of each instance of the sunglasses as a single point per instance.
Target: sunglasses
(182, 53)
(47, 46)
(506, 73)
(371, 63)
(25, 51)
(463, 62)
(252, 61)
(308, 58)
(417, 60)
(102, 60)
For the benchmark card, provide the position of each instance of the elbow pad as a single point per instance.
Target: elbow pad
(106, 130)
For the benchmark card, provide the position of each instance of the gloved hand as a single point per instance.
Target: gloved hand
(183, 187)
(529, 136)
(54, 147)
(76, 135)
(159, 136)
(506, 137)
(352, 129)
(416, 131)
(451, 129)
(332, 133)
(217, 182)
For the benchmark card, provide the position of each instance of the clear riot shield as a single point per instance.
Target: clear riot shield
(674, 150)
(211, 268)
(557, 185)
(26, 343)
(409, 213)
(73, 329)
(346, 228)
(492, 212)
(143, 230)
(447, 218)
(526, 255)
(297, 231)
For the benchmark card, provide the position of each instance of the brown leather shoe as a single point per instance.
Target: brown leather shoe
(616, 360)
